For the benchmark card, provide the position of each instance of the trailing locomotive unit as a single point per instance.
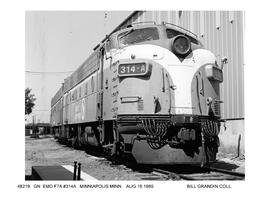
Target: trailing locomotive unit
(149, 90)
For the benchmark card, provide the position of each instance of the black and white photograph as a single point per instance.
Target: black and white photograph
(134, 95)
(134, 104)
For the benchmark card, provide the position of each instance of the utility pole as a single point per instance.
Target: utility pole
(33, 124)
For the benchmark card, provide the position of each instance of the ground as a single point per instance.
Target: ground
(239, 162)
(47, 151)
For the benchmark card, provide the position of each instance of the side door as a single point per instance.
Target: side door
(104, 80)
(107, 82)
(100, 79)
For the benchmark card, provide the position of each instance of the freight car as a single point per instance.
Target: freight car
(149, 90)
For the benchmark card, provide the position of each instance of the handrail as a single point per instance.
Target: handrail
(133, 99)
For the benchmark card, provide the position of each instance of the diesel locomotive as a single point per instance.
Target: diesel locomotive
(149, 90)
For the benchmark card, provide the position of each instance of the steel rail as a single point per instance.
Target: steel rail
(233, 173)
(173, 174)
(205, 168)
(134, 165)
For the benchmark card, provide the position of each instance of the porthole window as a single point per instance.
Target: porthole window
(92, 84)
(86, 88)
(73, 96)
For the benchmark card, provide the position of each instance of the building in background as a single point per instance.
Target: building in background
(37, 129)
(222, 32)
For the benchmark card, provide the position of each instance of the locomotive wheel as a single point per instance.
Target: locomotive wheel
(212, 148)
(73, 142)
(118, 146)
(116, 151)
(76, 144)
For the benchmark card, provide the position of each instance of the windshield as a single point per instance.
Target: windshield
(137, 35)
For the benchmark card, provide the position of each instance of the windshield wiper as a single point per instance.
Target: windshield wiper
(126, 33)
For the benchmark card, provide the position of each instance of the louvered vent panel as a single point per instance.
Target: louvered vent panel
(216, 108)
(140, 105)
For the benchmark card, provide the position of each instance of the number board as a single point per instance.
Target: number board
(132, 69)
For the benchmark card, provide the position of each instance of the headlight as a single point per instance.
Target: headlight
(181, 45)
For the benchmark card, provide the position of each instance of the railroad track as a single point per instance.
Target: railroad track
(174, 172)
(179, 172)
(200, 173)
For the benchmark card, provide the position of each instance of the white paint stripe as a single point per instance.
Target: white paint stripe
(84, 175)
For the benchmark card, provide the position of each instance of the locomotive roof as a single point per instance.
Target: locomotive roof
(141, 25)
(162, 26)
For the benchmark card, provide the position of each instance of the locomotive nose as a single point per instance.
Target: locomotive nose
(143, 90)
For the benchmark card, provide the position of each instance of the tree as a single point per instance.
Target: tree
(29, 101)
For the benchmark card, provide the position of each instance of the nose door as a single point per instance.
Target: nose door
(135, 96)
(181, 76)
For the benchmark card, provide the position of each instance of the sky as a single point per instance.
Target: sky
(57, 43)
